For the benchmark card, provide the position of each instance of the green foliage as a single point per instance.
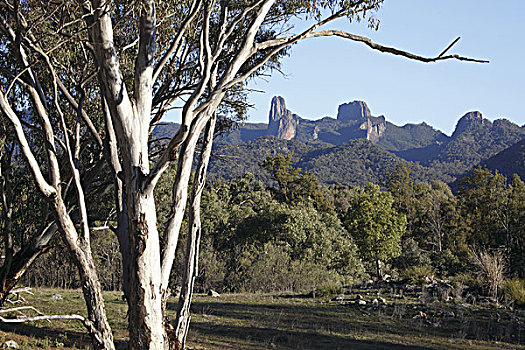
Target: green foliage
(294, 186)
(271, 268)
(515, 291)
(415, 274)
(375, 224)
(254, 234)
(354, 163)
(411, 255)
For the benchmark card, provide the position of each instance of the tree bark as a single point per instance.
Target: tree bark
(379, 266)
(100, 333)
(146, 316)
(182, 322)
(11, 274)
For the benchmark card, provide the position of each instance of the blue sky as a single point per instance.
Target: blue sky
(325, 72)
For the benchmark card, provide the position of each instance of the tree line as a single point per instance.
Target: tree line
(82, 86)
(300, 236)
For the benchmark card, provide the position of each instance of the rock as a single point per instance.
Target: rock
(470, 298)
(355, 110)
(383, 301)
(57, 297)
(375, 302)
(468, 121)
(338, 298)
(360, 302)
(421, 314)
(374, 128)
(213, 294)
(282, 122)
(10, 344)
(429, 279)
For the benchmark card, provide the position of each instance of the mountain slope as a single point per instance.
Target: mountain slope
(509, 161)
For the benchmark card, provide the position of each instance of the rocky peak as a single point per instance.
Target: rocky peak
(282, 122)
(355, 110)
(468, 121)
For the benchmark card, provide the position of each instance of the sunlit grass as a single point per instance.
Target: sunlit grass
(263, 321)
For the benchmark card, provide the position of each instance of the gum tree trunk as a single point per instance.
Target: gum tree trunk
(191, 262)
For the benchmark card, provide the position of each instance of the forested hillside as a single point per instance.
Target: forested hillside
(356, 148)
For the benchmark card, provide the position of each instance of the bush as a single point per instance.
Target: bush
(490, 268)
(515, 291)
(416, 274)
(271, 269)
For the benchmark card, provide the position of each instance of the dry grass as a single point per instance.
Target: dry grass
(291, 322)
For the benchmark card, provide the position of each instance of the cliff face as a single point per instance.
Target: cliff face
(356, 110)
(354, 120)
(282, 122)
(374, 128)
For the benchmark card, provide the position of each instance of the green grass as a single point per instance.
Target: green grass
(248, 321)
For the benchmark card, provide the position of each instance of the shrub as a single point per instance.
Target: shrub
(490, 268)
(515, 291)
(416, 274)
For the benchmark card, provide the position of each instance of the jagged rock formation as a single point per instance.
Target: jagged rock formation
(282, 122)
(375, 128)
(468, 121)
(354, 121)
(336, 144)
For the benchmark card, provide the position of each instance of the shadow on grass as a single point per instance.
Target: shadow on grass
(333, 326)
(242, 337)
(66, 337)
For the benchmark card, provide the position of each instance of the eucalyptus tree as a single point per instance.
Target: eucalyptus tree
(376, 225)
(92, 78)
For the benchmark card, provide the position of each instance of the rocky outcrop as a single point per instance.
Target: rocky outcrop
(469, 120)
(374, 128)
(354, 120)
(282, 122)
(355, 110)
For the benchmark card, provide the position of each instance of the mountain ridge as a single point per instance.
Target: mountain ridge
(324, 145)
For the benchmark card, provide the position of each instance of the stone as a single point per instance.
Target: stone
(10, 344)
(213, 294)
(282, 123)
(57, 297)
(338, 298)
(360, 302)
(421, 314)
(355, 110)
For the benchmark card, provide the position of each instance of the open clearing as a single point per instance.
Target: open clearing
(248, 321)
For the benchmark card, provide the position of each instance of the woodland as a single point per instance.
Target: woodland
(87, 203)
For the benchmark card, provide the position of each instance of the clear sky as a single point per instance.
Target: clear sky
(325, 72)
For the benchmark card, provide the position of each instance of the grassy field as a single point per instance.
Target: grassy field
(248, 321)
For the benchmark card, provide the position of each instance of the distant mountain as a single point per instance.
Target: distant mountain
(356, 162)
(509, 161)
(357, 147)
(354, 121)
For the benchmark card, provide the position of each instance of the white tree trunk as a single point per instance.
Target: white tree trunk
(191, 262)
